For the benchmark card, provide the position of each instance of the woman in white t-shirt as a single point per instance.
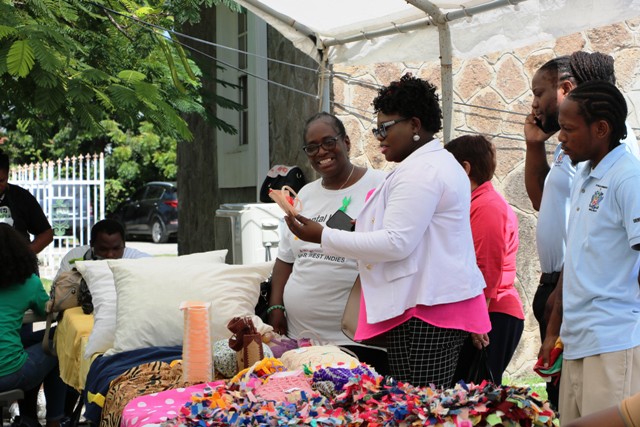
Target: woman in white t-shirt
(309, 288)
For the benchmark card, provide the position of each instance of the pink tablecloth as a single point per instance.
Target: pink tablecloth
(156, 408)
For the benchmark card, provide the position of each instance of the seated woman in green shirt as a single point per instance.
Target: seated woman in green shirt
(25, 368)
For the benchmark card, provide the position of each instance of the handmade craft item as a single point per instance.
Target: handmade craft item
(246, 341)
(287, 199)
(197, 361)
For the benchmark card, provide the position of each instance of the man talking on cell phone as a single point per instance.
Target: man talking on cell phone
(548, 187)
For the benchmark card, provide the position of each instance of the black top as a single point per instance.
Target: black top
(20, 208)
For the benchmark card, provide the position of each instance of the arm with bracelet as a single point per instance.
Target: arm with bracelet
(276, 310)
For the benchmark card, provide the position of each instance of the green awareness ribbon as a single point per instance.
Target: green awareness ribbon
(345, 204)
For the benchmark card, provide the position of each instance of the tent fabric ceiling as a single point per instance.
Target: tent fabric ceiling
(504, 28)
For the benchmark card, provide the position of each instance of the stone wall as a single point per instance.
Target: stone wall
(492, 96)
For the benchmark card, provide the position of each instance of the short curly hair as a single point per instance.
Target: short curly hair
(411, 97)
(16, 258)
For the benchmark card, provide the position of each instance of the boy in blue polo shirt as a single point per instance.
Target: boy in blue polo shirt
(599, 301)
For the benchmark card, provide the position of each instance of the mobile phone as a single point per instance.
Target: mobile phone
(538, 123)
(340, 221)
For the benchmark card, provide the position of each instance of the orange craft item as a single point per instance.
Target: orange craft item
(287, 199)
(197, 360)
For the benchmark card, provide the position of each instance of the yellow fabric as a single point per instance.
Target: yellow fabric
(97, 398)
(71, 338)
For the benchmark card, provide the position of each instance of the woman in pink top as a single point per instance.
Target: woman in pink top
(494, 226)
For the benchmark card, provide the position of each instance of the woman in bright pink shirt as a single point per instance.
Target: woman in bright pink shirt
(494, 226)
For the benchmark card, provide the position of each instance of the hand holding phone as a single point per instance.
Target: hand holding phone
(340, 221)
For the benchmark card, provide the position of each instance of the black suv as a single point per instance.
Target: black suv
(151, 211)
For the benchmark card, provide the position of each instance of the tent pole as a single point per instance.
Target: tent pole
(324, 83)
(446, 63)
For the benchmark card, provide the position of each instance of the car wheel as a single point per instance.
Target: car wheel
(159, 232)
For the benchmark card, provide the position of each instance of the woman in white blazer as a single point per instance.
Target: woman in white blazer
(420, 282)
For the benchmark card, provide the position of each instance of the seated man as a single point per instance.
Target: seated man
(107, 242)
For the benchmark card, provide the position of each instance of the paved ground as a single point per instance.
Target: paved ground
(155, 248)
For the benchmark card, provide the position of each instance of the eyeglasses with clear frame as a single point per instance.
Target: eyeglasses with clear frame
(327, 144)
(381, 131)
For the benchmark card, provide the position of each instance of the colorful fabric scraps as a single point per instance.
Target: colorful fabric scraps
(553, 371)
(365, 399)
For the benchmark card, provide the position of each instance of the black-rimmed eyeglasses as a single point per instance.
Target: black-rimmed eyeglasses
(327, 144)
(381, 131)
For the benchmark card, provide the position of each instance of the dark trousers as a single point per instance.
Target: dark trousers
(538, 306)
(504, 337)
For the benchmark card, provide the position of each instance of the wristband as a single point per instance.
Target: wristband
(276, 307)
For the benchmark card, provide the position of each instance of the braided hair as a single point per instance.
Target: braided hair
(18, 261)
(585, 66)
(600, 100)
(560, 67)
(411, 97)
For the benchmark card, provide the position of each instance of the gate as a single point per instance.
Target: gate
(71, 193)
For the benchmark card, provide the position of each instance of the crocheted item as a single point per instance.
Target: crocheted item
(317, 355)
(224, 358)
(284, 387)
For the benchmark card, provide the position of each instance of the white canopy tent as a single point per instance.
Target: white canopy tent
(353, 32)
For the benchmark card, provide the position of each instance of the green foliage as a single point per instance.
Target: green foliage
(83, 77)
(136, 158)
(75, 64)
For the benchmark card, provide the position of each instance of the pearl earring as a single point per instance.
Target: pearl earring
(416, 137)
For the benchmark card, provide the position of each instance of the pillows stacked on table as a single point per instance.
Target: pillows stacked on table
(136, 301)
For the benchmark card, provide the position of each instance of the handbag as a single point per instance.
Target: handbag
(65, 293)
(279, 176)
(263, 300)
(479, 370)
(350, 318)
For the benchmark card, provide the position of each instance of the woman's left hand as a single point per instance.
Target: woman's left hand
(480, 340)
(304, 228)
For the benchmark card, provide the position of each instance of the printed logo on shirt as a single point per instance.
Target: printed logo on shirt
(559, 159)
(5, 215)
(597, 197)
(319, 255)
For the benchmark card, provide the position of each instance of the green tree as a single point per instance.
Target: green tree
(83, 77)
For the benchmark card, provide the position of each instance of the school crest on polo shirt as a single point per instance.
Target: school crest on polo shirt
(597, 197)
(560, 158)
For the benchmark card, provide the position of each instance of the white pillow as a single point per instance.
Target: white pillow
(99, 280)
(150, 291)
(101, 285)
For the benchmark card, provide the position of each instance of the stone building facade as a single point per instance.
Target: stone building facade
(492, 96)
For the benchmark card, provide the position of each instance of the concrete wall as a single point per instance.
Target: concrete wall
(501, 82)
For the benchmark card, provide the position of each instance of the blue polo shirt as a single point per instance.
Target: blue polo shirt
(601, 296)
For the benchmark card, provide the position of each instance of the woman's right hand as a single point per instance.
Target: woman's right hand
(278, 320)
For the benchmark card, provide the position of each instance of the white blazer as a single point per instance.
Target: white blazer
(413, 237)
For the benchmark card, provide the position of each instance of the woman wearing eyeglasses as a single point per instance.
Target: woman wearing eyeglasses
(309, 288)
(413, 243)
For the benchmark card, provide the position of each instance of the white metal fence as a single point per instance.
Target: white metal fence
(71, 193)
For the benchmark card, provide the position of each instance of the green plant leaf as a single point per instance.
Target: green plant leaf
(131, 76)
(20, 59)
(6, 31)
